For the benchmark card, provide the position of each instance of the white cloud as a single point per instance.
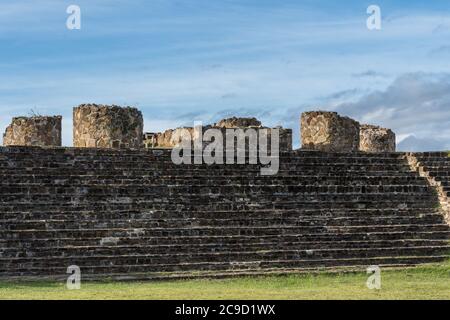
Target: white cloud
(415, 103)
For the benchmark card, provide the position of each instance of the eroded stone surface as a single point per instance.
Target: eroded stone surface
(376, 139)
(102, 126)
(167, 139)
(235, 122)
(33, 131)
(328, 131)
(173, 137)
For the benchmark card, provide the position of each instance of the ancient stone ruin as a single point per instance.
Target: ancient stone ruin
(173, 137)
(34, 131)
(376, 139)
(168, 139)
(102, 126)
(328, 131)
(148, 140)
(135, 214)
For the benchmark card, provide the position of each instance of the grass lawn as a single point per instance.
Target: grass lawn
(424, 282)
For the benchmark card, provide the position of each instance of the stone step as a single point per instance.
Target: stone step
(229, 189)
(344, 164)
(104, 214)
(49, 224)
(213, 231)
(438, 170)
(204, 173)
(65, 152)
(45, 158)
(435, 173)
(431, 154)
(120, 179)
(214, 205)
(182, 171)
(154, 178)
(217, 204)
(155, 194)
(433, 159)
(214, 174)
(52, 161)
(442, 164)
(444, 181)
(163, 262)
(311, 238)
(113, 247)
(119, 155)
(32, 181)
(128, 272)
(124, 212)
(156, 155)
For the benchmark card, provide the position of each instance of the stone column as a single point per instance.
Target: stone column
(329, 132)
(34, 131)
(376, 139)
(101, 126)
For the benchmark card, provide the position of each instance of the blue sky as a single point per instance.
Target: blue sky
(185, 60)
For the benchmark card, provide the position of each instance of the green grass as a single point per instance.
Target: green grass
(424, 282)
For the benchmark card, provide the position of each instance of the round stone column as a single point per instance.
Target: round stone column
(39, 131)
(102, 126)
(376, 139)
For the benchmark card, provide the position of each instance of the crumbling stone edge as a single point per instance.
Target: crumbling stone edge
(444, 200)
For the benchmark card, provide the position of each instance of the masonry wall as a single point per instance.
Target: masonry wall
(330, 132)
(33, 131)
(102, 126)
(376, 139)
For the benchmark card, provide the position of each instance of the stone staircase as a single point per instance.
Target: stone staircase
(135, 215)
(435, 167)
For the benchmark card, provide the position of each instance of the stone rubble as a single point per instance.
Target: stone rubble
(173, 137)
(34, 131)
(376, 139)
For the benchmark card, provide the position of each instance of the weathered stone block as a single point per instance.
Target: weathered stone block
(167, 139)
(33, 131)
(285, 139)
(101, 126)
(235, 122)
(376, 139)
(328, 131)
(173, 137)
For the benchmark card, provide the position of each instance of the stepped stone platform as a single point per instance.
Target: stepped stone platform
(435, 167)
(133, 214)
